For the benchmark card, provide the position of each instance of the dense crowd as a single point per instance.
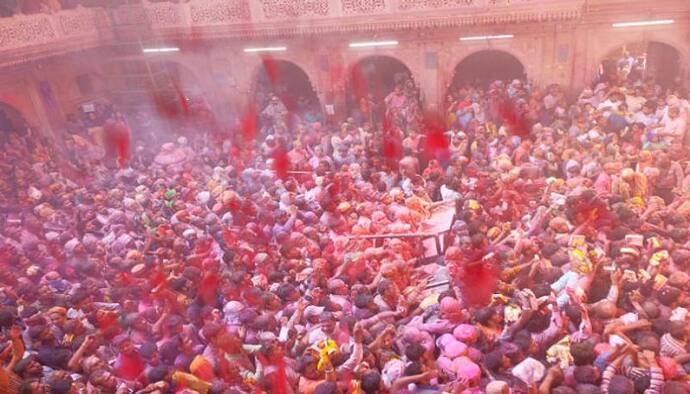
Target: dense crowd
(235, 262)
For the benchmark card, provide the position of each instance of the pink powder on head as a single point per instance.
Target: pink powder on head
(474, 354)
(465, 333)
(444, 340)
(465, 368)
(455, 349)
(445, 364)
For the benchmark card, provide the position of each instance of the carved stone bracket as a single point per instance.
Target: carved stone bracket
(26, 30)
(164, 14)
(361, 7)
(220, 11)
(282, 9)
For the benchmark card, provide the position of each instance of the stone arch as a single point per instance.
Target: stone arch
(617, 39)
(181, 96)
(374, 76)
(90, 82)
(517, 49)
(288, 80)
(11, 120)
(183, 77)
(487, 65)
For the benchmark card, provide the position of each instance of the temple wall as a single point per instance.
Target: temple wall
(561, 42)
(567, 53)
(45, 92)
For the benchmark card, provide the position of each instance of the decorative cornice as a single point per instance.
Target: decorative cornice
(28, 37)
(380, 24)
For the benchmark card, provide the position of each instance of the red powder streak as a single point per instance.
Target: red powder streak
(479, 283)
(282, 163)
(165, 107)
(390, 148)
(181, 98)
(359, 82)
(476, 278)
(436, 139)
(514, 124)
(392, 142)
(248, 123)
(271, 68)
(118, 138)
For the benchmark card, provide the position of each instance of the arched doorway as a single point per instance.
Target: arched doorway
(371, 80)
(11, 120)
(182, 93)
(180, 101)
(483, 67)
(641, 61)
(291, 84)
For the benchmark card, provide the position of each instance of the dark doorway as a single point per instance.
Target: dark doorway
(292, 86)
(639, 61)
(11, 120)
(369, 82)
(483, 67)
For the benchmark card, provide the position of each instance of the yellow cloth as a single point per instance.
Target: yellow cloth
(560, 352)
(326, 348)
(658, 257)
(582, 263)
(201, 368)
(191, 381)
(637, 200)
(429, 301)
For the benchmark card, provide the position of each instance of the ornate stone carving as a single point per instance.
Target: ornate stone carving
(221, 11)
(363, 6)
(409, 5)
(130, 15)
(78, 22)
(164, 14)
(24, 31)
(280, 9)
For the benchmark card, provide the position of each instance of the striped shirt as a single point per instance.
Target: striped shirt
(655, 384)
(670, 346)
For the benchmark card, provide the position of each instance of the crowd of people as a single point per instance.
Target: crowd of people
(236, 263)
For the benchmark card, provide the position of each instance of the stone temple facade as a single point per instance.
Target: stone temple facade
(54, 63)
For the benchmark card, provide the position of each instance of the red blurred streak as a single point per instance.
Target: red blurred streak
(249, 122)
(436, 139)
(118, 138)
(271, 68)
(281, 163)
(181, 98)
(514, 123)
(392, 142)
(359, 82)
(479, 283)
(476, 276)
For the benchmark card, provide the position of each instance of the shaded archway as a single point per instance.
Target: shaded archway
(485, 66)
(371, 80)
(11, 120)
(180, 100)
(181, 85)
(291, 84)
(636, 62)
